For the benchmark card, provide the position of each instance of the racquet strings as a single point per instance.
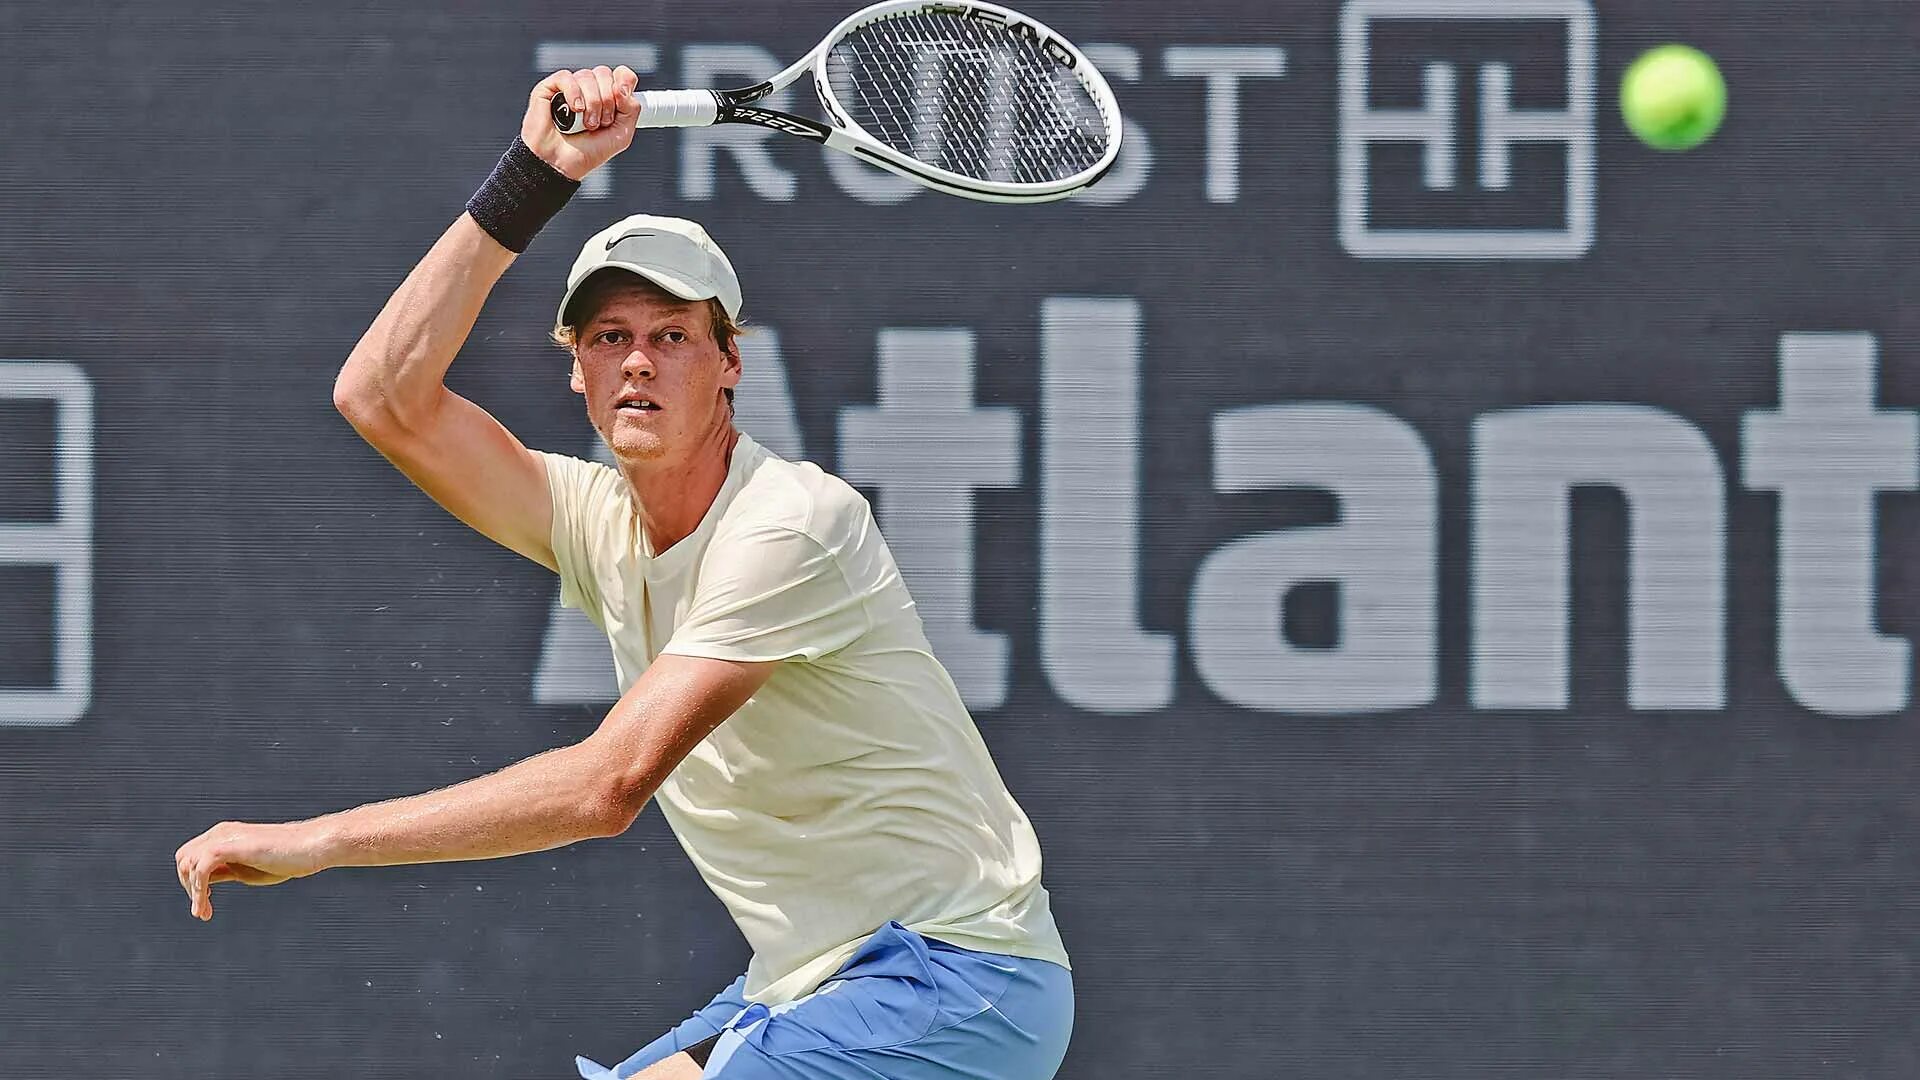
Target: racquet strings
(967, 96)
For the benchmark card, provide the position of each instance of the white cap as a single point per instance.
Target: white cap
(673, 253)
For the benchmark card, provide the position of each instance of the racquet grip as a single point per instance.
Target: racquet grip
(677, 108)
(658, 108)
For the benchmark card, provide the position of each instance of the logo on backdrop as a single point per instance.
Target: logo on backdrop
(1443, 215)
(46, 544)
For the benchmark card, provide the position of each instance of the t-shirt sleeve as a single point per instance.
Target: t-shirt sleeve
(586, 511)
(770, 593)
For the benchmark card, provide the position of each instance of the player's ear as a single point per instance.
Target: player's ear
(730, 365)
(577, 380)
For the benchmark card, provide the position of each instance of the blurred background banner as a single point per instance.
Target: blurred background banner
(1437, 572)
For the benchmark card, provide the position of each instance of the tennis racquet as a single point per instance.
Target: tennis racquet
(962, 96)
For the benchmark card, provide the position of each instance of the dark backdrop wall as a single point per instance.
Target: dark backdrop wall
(1445, 604)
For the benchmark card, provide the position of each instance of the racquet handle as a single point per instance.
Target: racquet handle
(658, 108)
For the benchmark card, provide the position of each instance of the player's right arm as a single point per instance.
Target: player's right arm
(393, 387)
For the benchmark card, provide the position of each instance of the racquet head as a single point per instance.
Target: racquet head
(968, 97)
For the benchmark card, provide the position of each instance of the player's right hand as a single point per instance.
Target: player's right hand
(603, 97)
(247, 853)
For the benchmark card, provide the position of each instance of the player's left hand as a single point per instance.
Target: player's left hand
(248, 854)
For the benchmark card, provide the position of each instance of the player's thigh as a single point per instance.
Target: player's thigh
(680, 1066)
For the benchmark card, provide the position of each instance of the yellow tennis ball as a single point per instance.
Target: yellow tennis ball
(1673, 97)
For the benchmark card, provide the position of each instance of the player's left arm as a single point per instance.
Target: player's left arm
(589, 789)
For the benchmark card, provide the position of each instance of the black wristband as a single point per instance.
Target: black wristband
(520, 196)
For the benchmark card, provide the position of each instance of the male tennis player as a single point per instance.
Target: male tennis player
(780, 699)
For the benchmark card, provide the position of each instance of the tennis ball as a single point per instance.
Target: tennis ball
(1673, 97)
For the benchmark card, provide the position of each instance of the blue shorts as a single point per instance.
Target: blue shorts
(905, 1007)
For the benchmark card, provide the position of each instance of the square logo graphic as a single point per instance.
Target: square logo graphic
(1466, 129)
(46, 544)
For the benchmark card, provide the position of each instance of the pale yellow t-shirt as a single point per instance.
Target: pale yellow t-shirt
(853, 788)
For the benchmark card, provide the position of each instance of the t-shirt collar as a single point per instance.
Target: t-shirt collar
(676, 557)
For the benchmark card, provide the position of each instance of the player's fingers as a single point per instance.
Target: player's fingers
(603, 75)
(204, 877)
(184, 862)
(589, 107)
(568, 87)
(594, 92)
(626, 104)
(193, 886)
(589, 97)
(555, 83)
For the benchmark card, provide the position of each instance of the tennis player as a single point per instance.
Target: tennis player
(780, 700)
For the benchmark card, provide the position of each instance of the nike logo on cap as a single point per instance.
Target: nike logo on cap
(618, 239)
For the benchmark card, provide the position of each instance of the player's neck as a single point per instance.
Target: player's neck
(673, 495)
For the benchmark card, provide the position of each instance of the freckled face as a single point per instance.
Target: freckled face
(652, 374)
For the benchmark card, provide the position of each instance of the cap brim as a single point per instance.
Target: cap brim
(682, 287)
